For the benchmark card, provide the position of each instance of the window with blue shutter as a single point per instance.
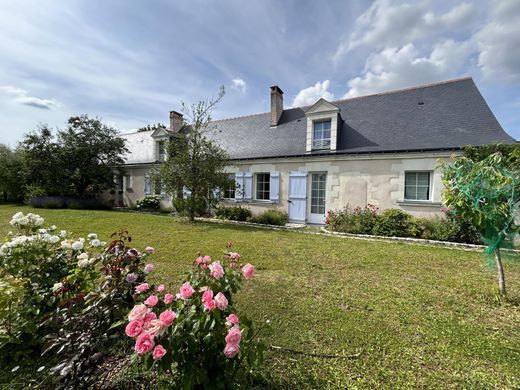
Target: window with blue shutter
(274, 184)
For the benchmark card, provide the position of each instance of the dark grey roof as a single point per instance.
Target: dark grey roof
(453, 114)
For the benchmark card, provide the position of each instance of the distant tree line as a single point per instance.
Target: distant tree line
(77, 162)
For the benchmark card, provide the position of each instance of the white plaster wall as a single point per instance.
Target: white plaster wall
(141, 146)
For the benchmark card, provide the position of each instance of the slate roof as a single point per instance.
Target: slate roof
(452, 114)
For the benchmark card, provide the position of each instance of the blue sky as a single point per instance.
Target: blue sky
(130, 62)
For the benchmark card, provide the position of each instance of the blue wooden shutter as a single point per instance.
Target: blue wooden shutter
(248, 186)
(239, 183)
(274, 186)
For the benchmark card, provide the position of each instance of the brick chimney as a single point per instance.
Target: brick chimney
(276, 104)
(176, 121)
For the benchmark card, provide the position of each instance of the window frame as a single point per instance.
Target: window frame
(266, 183)
(417, 186)
(325, 142)
(231, 189)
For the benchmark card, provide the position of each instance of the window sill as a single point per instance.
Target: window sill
(420, 203)
(253, 201)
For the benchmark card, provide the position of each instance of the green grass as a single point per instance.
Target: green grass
(419, 316)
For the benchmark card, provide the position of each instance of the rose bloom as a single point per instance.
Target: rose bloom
(167, 317)
(143, 287)
(168, 298)
(138, 312)
(144, 343)
(152, 300)
(209, 305)
(148, 268)
(216, 270)
(131, 277)
(186, 291)
(154, 328)
(149, 250)
(234, 336)
(134, 328)
(199, 260)
(232, 320)
(234, 255)
(161, 288)
(207, 259)
(248, 271)
(221, 301)
(207, 295)
(150, 316)
(158, 352)
(231, 350)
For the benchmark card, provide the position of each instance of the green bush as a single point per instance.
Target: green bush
(149, 203)
(33, 191)
(233, 213)
(436, 228)
(357, 221)
(397, 223)
(271, 217)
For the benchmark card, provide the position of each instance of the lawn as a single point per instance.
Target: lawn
(418, 316)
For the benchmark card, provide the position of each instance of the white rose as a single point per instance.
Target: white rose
(42, 231)
(57, 286)
(95, 242)
(54, 239)
(77, 245)
(83, 256)
(23, 221)
(92, 236)
(83, 263)
(63, 233)
(39, 221)
(65, 245)
(18, 215)
(51, 228)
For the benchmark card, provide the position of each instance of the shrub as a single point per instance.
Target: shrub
(397, 223)
(149, 203)
(233, 213)
(436, 228)
(357, 221)
(462, 230)
(271, 217)
(197, 336)
(33, 191)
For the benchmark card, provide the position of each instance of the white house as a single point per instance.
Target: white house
(382, 149)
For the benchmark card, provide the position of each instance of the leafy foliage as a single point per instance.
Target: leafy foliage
(233, 213)
(149, 202)
(271, 217)
(152, 127)
(11, 174)
(195, 164)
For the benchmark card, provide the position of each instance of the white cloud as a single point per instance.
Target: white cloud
(20, 96)
(401, 67)
(499, 42)
(389, 23)
(311, 94)
(239, 85)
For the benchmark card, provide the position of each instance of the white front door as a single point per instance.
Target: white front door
(318, 183)
(297, 196)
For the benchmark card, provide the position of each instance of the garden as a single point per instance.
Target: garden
(313, 311)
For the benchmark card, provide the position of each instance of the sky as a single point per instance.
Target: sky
(131, 62)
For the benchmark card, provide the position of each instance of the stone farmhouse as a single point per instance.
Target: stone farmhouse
(382, 149)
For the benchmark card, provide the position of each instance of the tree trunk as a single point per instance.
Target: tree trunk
(501, 276)
(191, 209)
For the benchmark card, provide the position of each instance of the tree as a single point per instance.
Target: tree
(195, 164)
(485, 192)
(11, 174)
(152, 127)
(79, 162)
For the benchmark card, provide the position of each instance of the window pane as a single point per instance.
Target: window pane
(423, 178)
(262, 186)
(410, 178)
(422, 193)
(326, 125)
(417, 186)
(410, 192)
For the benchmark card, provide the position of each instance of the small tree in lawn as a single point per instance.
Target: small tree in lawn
(485, 192)
(194, 163)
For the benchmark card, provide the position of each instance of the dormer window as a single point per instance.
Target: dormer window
(321, 134)
(161, 151)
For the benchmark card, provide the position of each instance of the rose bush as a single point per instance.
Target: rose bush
(197, 336)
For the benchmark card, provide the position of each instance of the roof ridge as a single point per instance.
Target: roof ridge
(240, 117)
(397, 90)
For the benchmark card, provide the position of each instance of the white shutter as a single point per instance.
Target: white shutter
(248, 186)
(128, 181)
(239, 182)
(274, 186)
(147, 185)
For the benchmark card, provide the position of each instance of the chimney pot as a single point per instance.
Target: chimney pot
(276, 104)
(176, 121)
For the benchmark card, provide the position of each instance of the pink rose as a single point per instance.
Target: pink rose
(186, 291)
(221, 301)
(161, 288)
(233, 337)
(207, 295)
(231, 350)
(232, 320)
(216, 270)
(167, 317)
(138, 312)
(234, 256)
(131, 277)
(199, 260)
(154, 328)
(206, 259)
(248, 271)
(209, 305)
(143, 287)
(168, 298)
(204, 267)
(151, 301)
(134, 328)
(148, 268)
(144, 343)
(149, 250)
(150, 316)
(158, 352)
